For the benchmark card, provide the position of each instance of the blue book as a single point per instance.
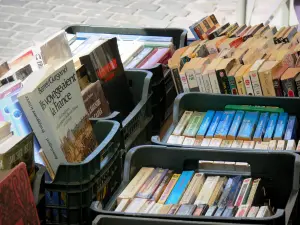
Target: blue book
(205, 123)
(234, 191)
(223, 199)
(235, 126)
(271, 127)
(248, 126)
(290, 133)
(214, 124)
(261, 127)
(224, 124)
(281, 126)
(180, 187)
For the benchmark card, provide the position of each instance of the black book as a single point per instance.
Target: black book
(103, 62)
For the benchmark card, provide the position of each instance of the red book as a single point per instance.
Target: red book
(17, 206)
(158, 55)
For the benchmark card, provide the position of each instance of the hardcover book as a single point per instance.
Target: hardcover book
(53, 105)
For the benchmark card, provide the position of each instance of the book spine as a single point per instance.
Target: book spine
(194, 124)
(168, 189)
(186, 210)
(253, 192)
(207, 190)
(156, 208)
(180, 187)
(184, 82)
(271, 127)
(182, 123)
(224, 124)
(290, 132)
(147, 206)
(192, 81)
(200, 81)
(177, 80)
(135, 205)
(248, 85)
(205, 123)
(223, 199)
(248, 126)
(240, 85)
(217, 192)
(122, 205)
(297, 81)
(255, 83)
(232, 84)
(173, 210)
(207, 84)
(243, 191)
(266, 82)
(214, 82)
(291, 145)
(277, 87)
(237, 121)
(194, 32)
(281, 126)
(223, 81)
(289, 88)
(214, 124)
(237, 182)
(261, 127)
(162, 186)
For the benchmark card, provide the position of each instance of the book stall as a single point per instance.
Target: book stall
(116, 126)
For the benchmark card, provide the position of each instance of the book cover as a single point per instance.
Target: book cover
(146, 207)
(205, 142)
(271, 127)
(224, 124)
(207, 190)
(291, 145)
(176, 140)
(265, 73)
(200, 210)
(135, 205)
(231, 79)
(244, 192)
(180, 187)
(281, 126)
(234, 191)
(162, 186)
(248, 126)
(165, 195)
(193, 189)
(288, 81)
(235, 126)
(95, 101)
(214, 124)
(173, 210)
(194, 124)
(223, 199)
(211, 68)
(162, 55)
(214, 199)
(261, 126)
(281, 145)
(211, 210)
(253, 211)
(54, 107)
(103, 62)
(222, 71)
(182, 123)
(186, 210)
(17, 197)
(239, 79)
(188, 141)
(291, 128)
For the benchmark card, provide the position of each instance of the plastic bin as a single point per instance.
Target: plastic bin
(159, 87)
(203, 102)
(76, 185)
(122, 220)
(281, 182)
(135, 123)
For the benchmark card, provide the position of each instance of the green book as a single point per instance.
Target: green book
(194, 124)
(251, 108)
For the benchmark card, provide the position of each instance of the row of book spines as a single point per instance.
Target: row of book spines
(218, 142)
(151, 207)
(164, 187)
(239, 125)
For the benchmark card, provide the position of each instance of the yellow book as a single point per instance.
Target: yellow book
(239, 79)
(163, 198)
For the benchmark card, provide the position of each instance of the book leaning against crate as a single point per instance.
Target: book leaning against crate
(241, 60)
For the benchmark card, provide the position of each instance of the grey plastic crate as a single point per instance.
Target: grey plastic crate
(122, 220)
(281, 182)
(76, 185)
(203, 102)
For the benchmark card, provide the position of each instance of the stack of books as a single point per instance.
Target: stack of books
(241, 60)
(162, 191)
(142, 52)
(248, 127)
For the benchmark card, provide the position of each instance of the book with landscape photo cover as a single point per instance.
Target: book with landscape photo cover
(103, 62)
(17, 206)
(54, 107)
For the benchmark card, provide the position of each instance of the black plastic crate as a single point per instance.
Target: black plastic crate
(202, 102)
(278, 170)
(76, 185)
(122, 220)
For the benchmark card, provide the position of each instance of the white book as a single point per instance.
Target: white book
(192, 80)
(200, 80)
(207, 190)
(4, 129)
(52, 102)
(248, 84)
(255, 78)
(214, 82)
(184, 83)
(206, 81)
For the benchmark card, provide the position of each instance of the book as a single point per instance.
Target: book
(224, 124)
(248, 144)
(230, 211)
(16, 149)
(162, 186)
(186, 210)
(4, 130)
(231, 79)
(188, 141)
(262, 145)
(255, 78)
(291, 145)
(235, 126)
(244, 192)
(222, 71)
(193, 124)
(165, 195)
(215, 142)
(214, 199)
(165, 209)
(18, 197)
(243, 211)
(151, 184)
(198, 142)
(255, 194)
(161, 55)
(253, 211)
(291, 128)
(200, 210)
(261, 126)
(176, 140)
(214, 124)
(226, 143)
(193, 189)
(207, 190)
(234, 191)
(265, 73)
(223, 199)
(45, 99)
(239, 79)
(281, 145)
(219, 211)
(136, 183)
(206, 142)
(205, 123)
(138, 59)
(251, 108)
(211, 73)
(129, 50)
(122, 205)
(272, 145)
(103, 62)
(237, 144)
(180, 187)
(95, 101)
(271, 127)
(280, 126)
(211, 210)
(147, 206)
(248, 126)
(288, 80)
(135, 205)
(182, 123)
(263, 211)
